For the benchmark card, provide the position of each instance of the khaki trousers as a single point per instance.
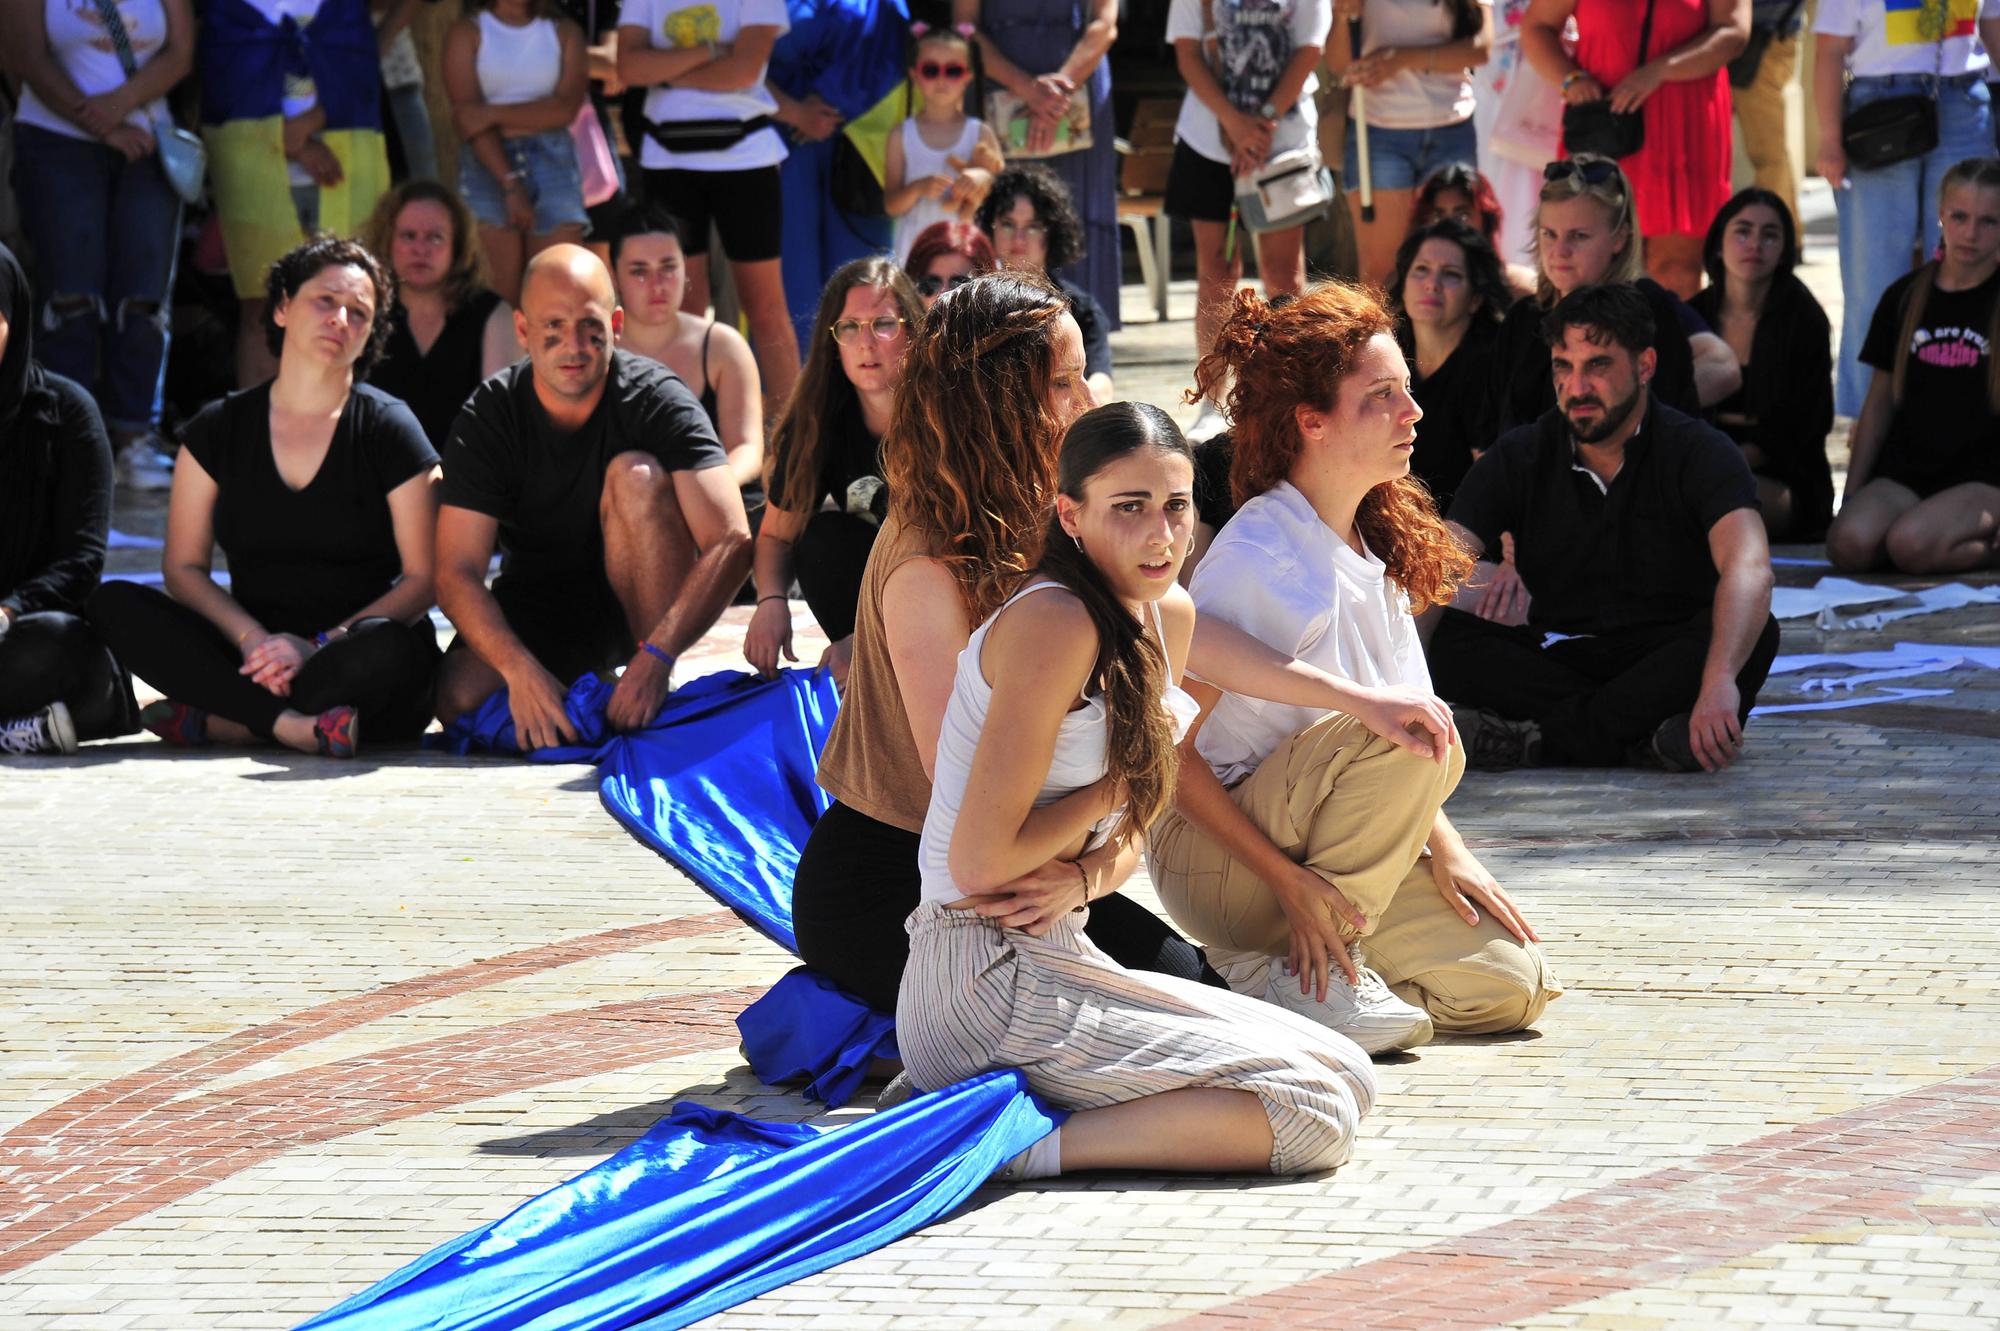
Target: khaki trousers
(1357, 810)
(1760, 110)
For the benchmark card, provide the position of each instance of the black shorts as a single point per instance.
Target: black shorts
(747, 208)
(1970, 467)
(573, 629)
(1198, 189)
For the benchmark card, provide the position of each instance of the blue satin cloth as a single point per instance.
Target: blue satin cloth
(808, 1029)
(706, 1210)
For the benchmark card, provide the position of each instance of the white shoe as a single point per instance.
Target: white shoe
(1247, 972)
(47, 731)
(142, 466)
(1208, 423)
(1366, 1013)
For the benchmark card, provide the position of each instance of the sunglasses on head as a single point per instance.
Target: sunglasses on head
(931, 69)
(1592, 172)
(931, 285)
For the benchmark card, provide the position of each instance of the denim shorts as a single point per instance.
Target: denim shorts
(1401, 158)
(547, 163)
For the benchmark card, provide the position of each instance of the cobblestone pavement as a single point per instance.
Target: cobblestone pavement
(274, 1026)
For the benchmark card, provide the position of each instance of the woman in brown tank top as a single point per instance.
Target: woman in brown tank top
(988, 389)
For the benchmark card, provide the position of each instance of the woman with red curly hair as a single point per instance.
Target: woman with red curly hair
(1298, 834)
(946, 255)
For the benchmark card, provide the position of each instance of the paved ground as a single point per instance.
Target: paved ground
(274, 1026)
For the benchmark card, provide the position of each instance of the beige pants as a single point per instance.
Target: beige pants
(1357, 810)
(1760, 110)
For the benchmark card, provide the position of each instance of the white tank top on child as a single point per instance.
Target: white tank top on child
(520, 64)
(920, 160)
(1080, 757)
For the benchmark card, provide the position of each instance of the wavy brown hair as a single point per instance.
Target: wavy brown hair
(970, 455)
(822, 399)
(1131, 667)
(1296, 355)
(465, 276)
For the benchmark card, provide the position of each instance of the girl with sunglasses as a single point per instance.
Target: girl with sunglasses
(946, 255)
(929, 173)
(827, 445)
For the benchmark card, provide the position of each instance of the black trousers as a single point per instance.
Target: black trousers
(50, 657)
(858, 882)
(1595, 698)
(829, 558)
(386, 671)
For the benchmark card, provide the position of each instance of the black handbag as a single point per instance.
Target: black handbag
(703, 136)
(1743, 69)
(1593, 127)
(1894, 129)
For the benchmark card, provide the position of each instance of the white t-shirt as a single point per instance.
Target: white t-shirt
(1413, 99)
(1257, 39)
(677, 25)
(1280, 574)
(79, 40)
(1892, 41)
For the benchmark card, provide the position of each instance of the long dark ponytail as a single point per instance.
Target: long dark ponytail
(1131, 667)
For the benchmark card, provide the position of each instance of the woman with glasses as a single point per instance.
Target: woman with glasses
(946, 255)
(827, 446)
(1587, 233)
(1035, 230)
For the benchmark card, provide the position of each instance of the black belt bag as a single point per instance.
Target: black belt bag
(1895, 129)
(1594, 127)
(704, 136)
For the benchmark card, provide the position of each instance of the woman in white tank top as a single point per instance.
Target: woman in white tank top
(1060, 735)
(517, 78)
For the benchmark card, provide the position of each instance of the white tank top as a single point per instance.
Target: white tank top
(517, 64)
(920, 160)
(1080, 757)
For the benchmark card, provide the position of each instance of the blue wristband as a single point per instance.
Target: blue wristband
(651, 650)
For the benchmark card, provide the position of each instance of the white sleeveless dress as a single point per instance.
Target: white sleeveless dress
(920, 160)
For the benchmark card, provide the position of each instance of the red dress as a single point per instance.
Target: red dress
(1681, 176)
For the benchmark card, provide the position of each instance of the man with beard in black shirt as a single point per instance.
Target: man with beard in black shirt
(602, 481)
(1635, 527)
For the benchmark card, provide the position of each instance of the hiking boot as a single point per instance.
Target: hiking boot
(47, 731)
(1365, 1012)
(1493, 743)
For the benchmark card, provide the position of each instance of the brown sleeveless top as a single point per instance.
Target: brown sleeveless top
(870, 763)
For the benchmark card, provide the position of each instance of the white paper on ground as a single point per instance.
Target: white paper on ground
(119, 540)
(1951, 596)
(1791, 561)
(1827, 593)
(1838, 704)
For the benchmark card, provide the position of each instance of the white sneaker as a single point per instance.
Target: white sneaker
(47, 731)
(1247, 972)
(1208, 423)
(142, 466)
(1366, 1013)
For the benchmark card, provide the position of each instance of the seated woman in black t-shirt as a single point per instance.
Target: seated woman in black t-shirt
(1779, 334)
(1035, 229)
(827, 447)
(446, 330)
(1448, 293)
(321, 493)
(1923, 472)
(1587, 233)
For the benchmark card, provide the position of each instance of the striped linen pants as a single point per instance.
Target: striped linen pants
(1089, 1033)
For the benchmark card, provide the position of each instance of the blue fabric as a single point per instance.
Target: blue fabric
(808, 1029)
(851, 52)
(244, 59)
(706, 1210)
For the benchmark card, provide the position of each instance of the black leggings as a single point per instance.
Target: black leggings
(830, 556)
(386, 671)
(858, 882)
(50, 657)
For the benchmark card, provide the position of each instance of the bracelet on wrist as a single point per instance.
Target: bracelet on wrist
(774, 596)
(664, 657)
(1084, 874)
(245, 635)
(1570, 78)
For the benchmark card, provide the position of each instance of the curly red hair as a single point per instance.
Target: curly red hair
(1296, 353)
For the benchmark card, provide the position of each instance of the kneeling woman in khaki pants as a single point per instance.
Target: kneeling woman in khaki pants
(1305, 835)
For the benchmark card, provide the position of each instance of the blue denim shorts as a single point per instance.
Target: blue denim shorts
(547, 163)
(1401, 158)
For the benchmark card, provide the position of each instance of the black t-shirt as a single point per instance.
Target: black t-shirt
(1522, 387)
(303, 560)
(436, 384)
(1090, 321)
(1455, 423)
(1635, 553)
(508, 461)
(1944, 430)
(850, 469)
(1213, 501)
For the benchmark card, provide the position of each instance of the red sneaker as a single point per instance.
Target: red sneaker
(338, 730)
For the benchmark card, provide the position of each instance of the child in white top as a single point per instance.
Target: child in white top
(925, 170)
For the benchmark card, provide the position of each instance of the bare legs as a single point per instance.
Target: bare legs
(1953, 531)
(760, 287)
(508, 252)
(1375, 242)
(1281, 259)
(1197, 1130)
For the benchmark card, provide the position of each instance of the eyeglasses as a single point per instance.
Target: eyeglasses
(850, 332)
(1030, 231)
(931, 285)
(1594, 172)
(931, 69)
